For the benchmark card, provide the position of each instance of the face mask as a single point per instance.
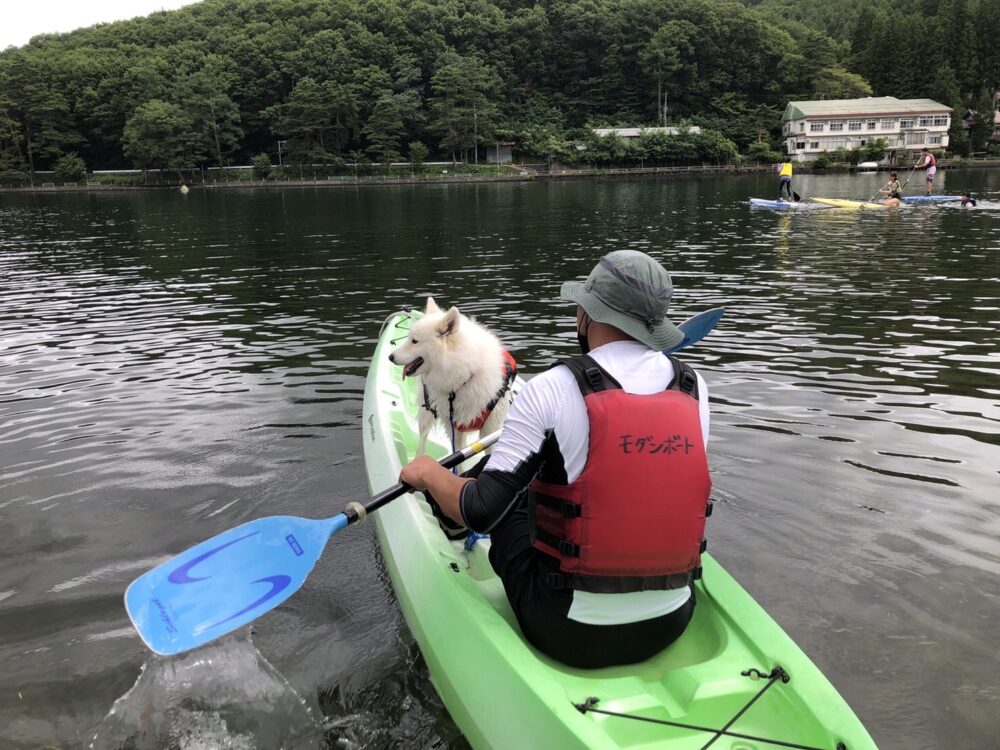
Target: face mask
(581, 336)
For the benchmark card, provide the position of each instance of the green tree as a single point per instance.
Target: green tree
(462, 112)
(875, 149)
(70, 167)
(384, 130)
(837, 83)
(982, 120)
(205, 94)
(760, 152)
(418, 154)
(162, 135)
(666, 57)
(261, 164)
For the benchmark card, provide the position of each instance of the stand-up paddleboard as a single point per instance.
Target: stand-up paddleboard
(931, 198)
(733, 681)
(783, 205)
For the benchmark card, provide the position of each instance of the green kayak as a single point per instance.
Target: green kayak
(733, 681)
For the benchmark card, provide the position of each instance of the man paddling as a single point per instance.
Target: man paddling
(929, 163)
(596, 493)
(968, 201)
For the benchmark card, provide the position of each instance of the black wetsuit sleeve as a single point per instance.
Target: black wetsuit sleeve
(485, 501)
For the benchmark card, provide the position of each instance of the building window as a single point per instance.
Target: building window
(815, 144)
(906, 123)
(817, 127)
(872, 124)
(888, 124)
(940, 120)
(924, 122)
(934, 139)
(915, 139)
(834, 126)
(854, 125)
(800, 144)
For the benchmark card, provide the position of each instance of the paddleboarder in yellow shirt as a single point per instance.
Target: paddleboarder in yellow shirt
(785, 181)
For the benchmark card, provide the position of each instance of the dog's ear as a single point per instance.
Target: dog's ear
(432, 306)
(449, 323)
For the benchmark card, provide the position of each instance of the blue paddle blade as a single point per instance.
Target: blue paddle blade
(226, 581)
(697, 327)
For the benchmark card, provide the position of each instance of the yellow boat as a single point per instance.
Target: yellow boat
(840, 203)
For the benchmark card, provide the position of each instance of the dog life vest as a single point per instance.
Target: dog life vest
(634, 519)
(509, 373)
(509, 368)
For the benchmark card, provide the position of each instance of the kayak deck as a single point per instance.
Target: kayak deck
(502, 693)
(841, 203)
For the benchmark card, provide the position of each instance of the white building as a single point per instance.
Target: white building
(630, 133)
(907, 125)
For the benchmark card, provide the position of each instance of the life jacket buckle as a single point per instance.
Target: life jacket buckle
(708, 509)
(704, 545)
(568, 548)
(688, 381)
(696, 574)
(569, 510)
(594, 376)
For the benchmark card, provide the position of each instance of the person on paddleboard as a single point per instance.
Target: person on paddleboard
(596, 494)
(929, 163)
(785, 180)
(892, 191)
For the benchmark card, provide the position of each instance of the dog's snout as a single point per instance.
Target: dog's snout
(392, 357)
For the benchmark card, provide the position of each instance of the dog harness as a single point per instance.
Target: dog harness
(634, 519)
(509, 368)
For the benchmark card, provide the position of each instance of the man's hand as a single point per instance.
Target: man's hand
(416, 472)
(426, 474)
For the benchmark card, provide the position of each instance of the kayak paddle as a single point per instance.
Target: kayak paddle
(697, 327)
(235, 577)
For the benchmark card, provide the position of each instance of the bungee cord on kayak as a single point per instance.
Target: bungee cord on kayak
(776, 674)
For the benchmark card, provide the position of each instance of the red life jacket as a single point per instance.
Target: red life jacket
(930, 161)
(634, 520)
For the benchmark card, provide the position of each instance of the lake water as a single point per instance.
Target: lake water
(173, 365)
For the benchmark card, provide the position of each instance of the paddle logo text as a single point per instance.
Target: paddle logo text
(183, 575)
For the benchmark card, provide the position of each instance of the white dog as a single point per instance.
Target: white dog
(465, 372)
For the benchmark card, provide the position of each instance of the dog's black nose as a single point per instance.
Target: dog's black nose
(392, 357)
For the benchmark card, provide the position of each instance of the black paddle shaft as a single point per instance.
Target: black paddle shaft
(400, 488)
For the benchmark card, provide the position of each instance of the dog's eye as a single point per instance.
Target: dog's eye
(413, 341)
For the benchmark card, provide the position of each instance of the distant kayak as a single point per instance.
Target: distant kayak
(931, 198)
(840, 203)
(783, 205)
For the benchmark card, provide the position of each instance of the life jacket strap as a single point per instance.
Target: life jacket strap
(564, 507)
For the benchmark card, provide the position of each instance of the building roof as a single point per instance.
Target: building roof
(636, 132)
(869, 106)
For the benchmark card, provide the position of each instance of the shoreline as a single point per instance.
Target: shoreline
(527, 173)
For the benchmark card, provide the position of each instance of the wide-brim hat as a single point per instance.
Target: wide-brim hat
(631, 291)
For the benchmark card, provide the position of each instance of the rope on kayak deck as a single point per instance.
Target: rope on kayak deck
(776, 674)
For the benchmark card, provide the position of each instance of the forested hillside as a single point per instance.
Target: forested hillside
(947, 50)
(221, 81)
